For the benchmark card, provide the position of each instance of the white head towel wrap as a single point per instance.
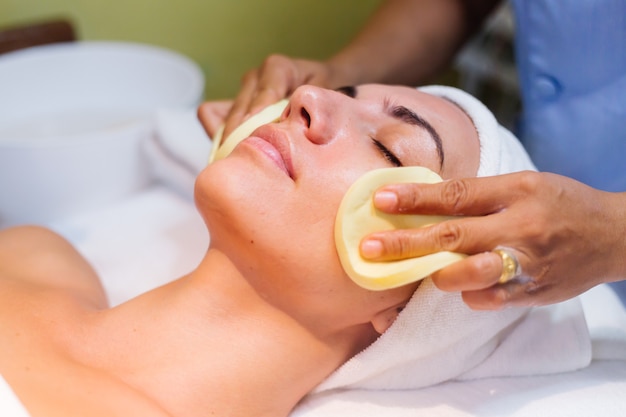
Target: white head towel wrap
(438, 338)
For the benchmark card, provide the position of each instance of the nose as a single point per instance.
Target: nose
(317, 111)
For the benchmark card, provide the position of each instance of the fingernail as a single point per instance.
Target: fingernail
(385, 200)
(371, 248)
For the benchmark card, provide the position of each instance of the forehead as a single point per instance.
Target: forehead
(458, 134)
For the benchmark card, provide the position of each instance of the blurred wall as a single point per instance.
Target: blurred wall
(225, 37)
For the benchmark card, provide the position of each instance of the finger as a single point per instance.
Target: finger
(493, 298)
(242, 101)
(212, 115)
(469, 235)
(470, 274)
(321, 80)
(523, 292)
(275, 83)
(264, 98)
(468, 196)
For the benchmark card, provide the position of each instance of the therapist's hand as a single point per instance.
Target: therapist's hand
(274, 80)
(567, 236)
(212, 115)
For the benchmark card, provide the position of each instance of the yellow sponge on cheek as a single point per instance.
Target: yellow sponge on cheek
(357, 218)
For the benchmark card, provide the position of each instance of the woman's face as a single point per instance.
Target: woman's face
(271, 204)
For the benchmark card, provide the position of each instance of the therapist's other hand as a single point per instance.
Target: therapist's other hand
(274, 80)
(567, 236)
(212, 115)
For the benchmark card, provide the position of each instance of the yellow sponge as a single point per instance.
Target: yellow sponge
(268, 115)
(357, 218)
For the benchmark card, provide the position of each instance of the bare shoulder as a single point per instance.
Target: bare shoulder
(38, 256)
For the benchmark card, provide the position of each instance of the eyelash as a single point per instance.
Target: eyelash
(387, 153)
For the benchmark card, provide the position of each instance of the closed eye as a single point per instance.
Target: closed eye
(387, 153)
(351, 91)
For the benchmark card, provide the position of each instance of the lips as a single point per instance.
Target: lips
(275, 144)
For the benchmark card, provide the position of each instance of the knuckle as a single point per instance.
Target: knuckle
(268, 94)
(455, 193)
(530, 227)
(399, 245)
(274, 60)
(448, 236)
(530, 182)
(402, 245)
(500, 298)
(249, 76)
(482, 272)
(237, 111)
(203, 110)
(536, 230)
(408, 199)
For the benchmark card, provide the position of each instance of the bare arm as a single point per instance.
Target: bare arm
(409, 41)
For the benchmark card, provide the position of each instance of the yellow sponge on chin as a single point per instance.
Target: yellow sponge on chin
(357, 218)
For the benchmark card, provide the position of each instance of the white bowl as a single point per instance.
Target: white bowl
(73, 117)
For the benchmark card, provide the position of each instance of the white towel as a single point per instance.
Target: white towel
(598, 389)
(438, 338)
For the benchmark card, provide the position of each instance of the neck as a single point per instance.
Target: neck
(209, 342)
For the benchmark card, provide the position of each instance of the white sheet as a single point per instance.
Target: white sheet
(141, 242)
(10, 405)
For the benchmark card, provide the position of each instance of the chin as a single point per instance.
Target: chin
(232, 198)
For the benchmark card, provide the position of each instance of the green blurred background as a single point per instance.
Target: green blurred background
(225, 37)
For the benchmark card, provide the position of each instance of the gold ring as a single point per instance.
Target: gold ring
(511, 268)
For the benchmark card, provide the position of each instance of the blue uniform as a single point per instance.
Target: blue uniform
(571, 59)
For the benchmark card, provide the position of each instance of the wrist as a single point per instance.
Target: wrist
(616, 221)
(621, 197)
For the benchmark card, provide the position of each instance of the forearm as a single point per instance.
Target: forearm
(408, 41)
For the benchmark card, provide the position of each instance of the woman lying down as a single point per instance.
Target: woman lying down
(269, 315)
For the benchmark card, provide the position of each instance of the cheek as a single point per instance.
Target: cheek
(322, 186)
(284, 237)
(333, 168)
(271, 227)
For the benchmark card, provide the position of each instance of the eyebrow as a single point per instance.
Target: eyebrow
(408, 116)
(404, 115)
